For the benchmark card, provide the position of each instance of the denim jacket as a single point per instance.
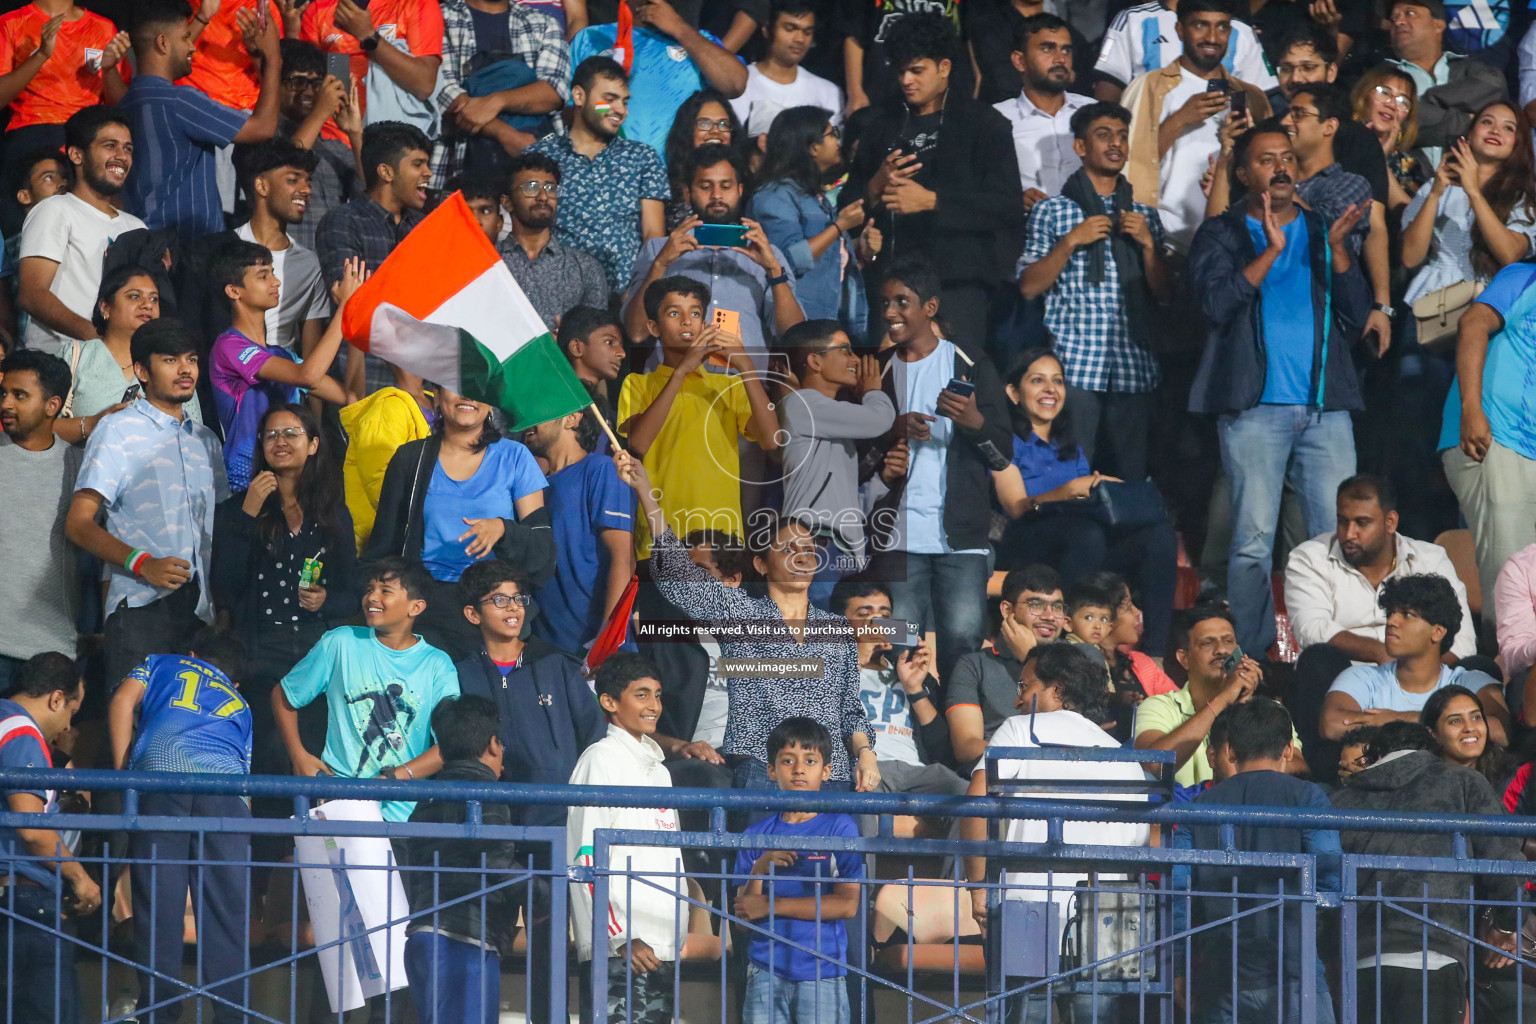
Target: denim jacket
(790, 218)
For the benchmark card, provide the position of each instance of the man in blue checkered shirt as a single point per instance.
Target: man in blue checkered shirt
(1097, 257)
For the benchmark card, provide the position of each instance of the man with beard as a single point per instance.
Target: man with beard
(555, 277)
(1042, 113)
(1177, 113)
(615, 188)
(66, 235)
(593, 515)
(1332, 586)
(1097, 256)
(178, 129)
(1284, 302)
(37, 597)
(157, 476)
(316, 113)
(751, 280)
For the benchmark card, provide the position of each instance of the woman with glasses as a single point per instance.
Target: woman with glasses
(284, 563)
(804, 157)
(102, 374)
(456, 497)
(1386, 101)
(1044, 492)
(705, 117)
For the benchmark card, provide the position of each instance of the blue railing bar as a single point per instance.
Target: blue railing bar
(707, 799)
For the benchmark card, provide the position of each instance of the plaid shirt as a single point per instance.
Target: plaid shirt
(364, 229)
(536, 40)
(1088, 320)
(1333, 190)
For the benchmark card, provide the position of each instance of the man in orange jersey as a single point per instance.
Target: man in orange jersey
(56, 58)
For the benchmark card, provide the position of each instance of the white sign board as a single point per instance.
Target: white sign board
(354, 902)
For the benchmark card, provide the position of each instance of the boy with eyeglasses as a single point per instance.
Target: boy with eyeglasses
(555, 276)
(548, 715)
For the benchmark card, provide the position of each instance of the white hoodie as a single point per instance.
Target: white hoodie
(641, 900)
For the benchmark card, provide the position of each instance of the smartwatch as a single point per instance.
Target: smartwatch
(782, 278)
(370, 44)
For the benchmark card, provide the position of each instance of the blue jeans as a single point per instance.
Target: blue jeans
(39, 959)
(1262, 450)
(452, 982)
(945, 593)
(774, 1000)
(1263, 1005)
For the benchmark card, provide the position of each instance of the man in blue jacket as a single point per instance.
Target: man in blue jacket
(1284, 303)
(549, 715)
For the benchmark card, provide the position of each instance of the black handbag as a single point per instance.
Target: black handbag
(1115, 503)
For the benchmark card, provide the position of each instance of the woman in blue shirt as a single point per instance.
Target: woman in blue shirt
(463, 494)
(804, 157)
(1049, 470)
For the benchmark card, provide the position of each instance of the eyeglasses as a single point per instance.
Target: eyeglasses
(1310, 67)
(505, 601)
(529, 189)
(302, 83)
(1298, 113)
(1401, 99)
(1040, 604)
(704, 124)
(834, 131)
(846, 348)
(287, 434)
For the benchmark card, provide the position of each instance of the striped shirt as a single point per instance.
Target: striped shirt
(176, 131)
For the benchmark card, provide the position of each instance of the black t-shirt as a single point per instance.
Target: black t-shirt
(493, 32)
(920, 136)
(1358, 152)
(868, 22)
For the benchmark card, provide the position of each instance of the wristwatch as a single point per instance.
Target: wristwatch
(1386, 309)
(913, 698)
(391, 772)
(782, 278)
(370, 44)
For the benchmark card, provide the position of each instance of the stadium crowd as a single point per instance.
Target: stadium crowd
(1167, 366)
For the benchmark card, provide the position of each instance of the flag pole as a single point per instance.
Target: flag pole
(614, 438)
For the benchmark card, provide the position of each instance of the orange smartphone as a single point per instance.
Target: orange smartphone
(729, 321)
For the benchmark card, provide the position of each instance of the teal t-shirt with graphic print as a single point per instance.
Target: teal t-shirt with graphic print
(379, 702)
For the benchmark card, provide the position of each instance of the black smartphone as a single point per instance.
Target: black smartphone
(961, 387)
(1218, 85)
(1229, 665)
(131, 394)
(1239, 103)
(339, 66)
(901, 634)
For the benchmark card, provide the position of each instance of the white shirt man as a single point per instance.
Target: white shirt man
(1043, 142)
(75, 235)
(1325, 595)
(763, 98)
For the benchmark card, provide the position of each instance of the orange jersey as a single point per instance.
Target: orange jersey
(418, 23)
(68, 80)
(221, 65)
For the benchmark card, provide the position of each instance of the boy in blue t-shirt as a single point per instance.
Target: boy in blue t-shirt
(380, 682)
(191, 718)
(786, 984)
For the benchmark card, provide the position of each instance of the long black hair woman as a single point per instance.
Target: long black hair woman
(705, 117)
(460, 495)
(267, 543)
(1049, 472)
(1454, 714)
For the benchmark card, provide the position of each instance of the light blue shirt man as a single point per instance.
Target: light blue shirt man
(159, 479)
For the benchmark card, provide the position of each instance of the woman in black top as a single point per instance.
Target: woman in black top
(262, 537)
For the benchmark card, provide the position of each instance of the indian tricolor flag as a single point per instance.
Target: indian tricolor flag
(445, 307)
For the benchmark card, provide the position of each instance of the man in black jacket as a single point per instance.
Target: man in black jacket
(930, 522)
(940, 173)
(549, 715)
(453, 950)
(1284, 302)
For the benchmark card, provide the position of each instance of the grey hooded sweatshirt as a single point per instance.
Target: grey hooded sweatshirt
(822, 461)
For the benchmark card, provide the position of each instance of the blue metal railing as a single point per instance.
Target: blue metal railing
(1166, 949)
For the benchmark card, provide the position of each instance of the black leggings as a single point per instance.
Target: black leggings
(1075, 546)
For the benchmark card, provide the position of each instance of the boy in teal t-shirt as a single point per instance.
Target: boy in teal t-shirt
(381, 683)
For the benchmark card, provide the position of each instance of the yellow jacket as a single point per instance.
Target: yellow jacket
(1144, 99)
(376, 427)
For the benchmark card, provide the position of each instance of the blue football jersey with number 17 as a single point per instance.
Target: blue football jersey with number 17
(192, 719)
